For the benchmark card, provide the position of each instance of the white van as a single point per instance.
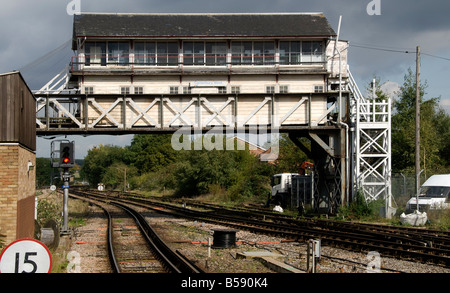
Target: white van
(434, 194)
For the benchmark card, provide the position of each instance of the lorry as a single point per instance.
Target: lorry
(292, 189)
(434, 194)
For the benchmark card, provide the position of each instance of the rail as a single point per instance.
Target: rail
(407, 244)
(172, 261)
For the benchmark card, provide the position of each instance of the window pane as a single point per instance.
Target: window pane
(258, 49)
(124, 53)
(188, 53)
(269, 53)
(162, 54)
(118, 53)
(295, 47)
(172, 57)
(199, 53)
(210, 50)
(140, 53)
(284, 52)
(95, 53)
(295, 52)
(236, 52)
(151, 49)
(306, 51)
(221, 53)
(188, 48)
(216, 53)
(113, 52)
(317, 51)
(247, 52)
(199, 48)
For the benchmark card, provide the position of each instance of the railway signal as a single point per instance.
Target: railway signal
(64, 158)
(66, 155)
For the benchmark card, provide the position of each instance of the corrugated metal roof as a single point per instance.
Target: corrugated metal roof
(216, 25)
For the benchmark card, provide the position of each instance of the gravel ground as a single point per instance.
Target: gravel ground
(191, 238)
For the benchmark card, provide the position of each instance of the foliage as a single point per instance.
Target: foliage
(116, 175)
(200, 170)
(434, 130)
(149, 153)
(290, 156)
(158, 181)
(46, 210)
(43, 172)
(98, 160)
(360, 209)
(439, 219)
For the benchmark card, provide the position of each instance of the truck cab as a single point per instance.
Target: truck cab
(434, 194)
(281, 188)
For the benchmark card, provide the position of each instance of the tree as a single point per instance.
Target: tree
(43, 172)
(237, 171)
(150, 152)
(117, 175)
(290, 156)
(99, 159)
(434, 129)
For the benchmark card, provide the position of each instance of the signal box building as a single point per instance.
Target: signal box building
(255, 65)
(149, 73)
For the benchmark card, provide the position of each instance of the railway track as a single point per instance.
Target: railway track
(413, 244)
(412, 235)
(133, 246)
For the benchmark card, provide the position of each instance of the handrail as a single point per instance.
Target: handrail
(78, 63)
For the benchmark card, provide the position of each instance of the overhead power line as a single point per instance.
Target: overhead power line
(45, 57)
(382, 49)
(434, 56)
(372, 47)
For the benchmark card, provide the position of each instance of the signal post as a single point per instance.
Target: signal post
(65, 161)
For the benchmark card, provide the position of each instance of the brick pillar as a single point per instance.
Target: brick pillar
(17, 191)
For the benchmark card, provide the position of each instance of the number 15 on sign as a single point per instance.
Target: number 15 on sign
(26, 256)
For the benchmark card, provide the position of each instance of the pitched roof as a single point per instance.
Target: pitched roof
(214, 25)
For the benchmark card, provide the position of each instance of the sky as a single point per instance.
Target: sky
(379, 33)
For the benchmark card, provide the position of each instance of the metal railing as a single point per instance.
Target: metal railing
(134, 61)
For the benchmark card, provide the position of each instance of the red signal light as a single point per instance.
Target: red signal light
(66, 160)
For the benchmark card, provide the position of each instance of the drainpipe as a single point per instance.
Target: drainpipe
(347, 159)
(340, 123)
(340, 68)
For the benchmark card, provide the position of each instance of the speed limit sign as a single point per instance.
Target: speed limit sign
(26, 256)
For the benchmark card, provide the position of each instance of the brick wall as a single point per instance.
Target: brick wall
(17, 191)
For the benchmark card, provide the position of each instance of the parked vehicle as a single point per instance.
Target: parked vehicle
(434, 194)
(292, 189)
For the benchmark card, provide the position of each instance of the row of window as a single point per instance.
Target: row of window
(139, 90)
(204, 53)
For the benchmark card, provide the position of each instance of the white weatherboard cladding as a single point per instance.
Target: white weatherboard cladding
(254, 105)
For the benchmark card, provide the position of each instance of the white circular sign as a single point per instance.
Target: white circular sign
(26, 256)
(53, 188)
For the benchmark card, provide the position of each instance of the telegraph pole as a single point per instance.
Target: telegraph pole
(417, 119)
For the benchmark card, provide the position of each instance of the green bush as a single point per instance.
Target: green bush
(357, 209)
(46, 211)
